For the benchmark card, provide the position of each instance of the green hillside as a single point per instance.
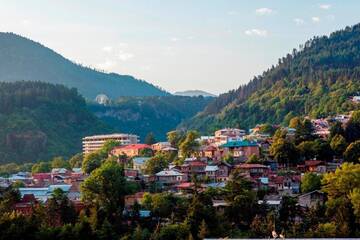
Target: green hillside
(24, 59)
(316, 80)
(40, 120)
(141, 115)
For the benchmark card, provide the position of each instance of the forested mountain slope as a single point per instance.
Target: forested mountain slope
(142, 115)
(24, 59)
(40, 120)
(316, 80)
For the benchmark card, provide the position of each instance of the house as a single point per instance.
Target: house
(42, 179)
(315, 166)
(241, 149)
(273, 201)
(211, 172)
(224, 171)
(286, 184)
(254, 170)
(59, 175)
(43, 193)
(74, 192)
(26, 204)
(226, 135)
(131, 150)
(311, 199)
(139, 163)
(160, 146)
(170, 177)
(208, 151)
(194, 168)
(131, 174)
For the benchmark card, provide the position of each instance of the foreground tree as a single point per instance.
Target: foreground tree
(352, 152)
(59, 162)
(310, 182)
(106, 188)
(156, 164)
(76, 160)
(59, 209)
(242, 200)
(189, 145)
(352, 130)
(338, 144)
(284, 151)
(91, 162)
(339, 186)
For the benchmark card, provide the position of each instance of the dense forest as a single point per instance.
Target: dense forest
(142, 115)
(316, 80)
(42, 120)
(24, 59)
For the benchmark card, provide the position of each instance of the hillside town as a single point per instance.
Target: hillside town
(209, 164)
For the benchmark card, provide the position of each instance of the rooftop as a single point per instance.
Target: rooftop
(109, 136)
(244, 143)
(168, 173)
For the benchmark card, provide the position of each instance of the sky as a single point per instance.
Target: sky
(211, 45)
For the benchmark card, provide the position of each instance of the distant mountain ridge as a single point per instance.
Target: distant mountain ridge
(194, 93)
(24, 59)
(142, 115)
(317, 80)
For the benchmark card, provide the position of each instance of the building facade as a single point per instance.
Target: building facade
(94, 143)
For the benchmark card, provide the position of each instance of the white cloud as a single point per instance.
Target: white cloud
(256, 32)
(325, 6)
(107, 65)
(174, 39)
(124, 56)
(315, 19)
(299, 21)
(107, 49)
(263, 11)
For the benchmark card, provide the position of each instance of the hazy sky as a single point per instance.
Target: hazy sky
(213, 45)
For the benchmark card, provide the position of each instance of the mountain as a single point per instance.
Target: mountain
(317, 80)
(194, 93)
(41, 120)
(142, 115)
(24, 59)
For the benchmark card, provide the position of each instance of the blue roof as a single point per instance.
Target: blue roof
(264, 180)
(144, 213)
(140, 160)
(216, 185)
(244, 143)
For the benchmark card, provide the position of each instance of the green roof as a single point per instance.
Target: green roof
(244, 143)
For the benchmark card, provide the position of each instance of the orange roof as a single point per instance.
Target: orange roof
(134, 146)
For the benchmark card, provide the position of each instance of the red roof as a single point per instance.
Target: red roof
(28, 198)
(197, 163)
(41, 176)
(310, 163)
(210, 148)
(251, 165)
(185, 185)
(134, 146)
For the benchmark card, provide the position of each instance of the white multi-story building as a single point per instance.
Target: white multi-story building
(94, 143)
